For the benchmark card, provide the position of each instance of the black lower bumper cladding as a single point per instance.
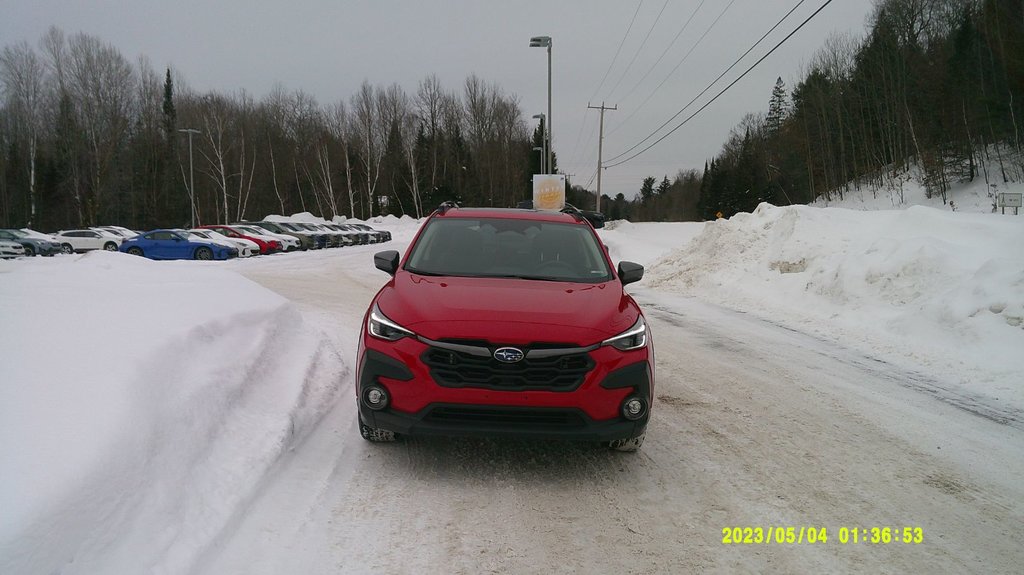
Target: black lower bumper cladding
(447, 419)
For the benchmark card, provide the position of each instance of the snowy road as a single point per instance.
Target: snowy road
(754, 426)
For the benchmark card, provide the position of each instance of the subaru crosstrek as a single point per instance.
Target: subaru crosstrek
(505, 322)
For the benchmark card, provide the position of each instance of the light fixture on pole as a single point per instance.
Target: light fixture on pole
(545, 42)
(543, 140)
(191, 174)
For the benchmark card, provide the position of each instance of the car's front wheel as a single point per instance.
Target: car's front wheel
(66, 248)
(110, 246)
(629, 444)
(29, 251)
(135, 251)
(374, 435)
(204, 253)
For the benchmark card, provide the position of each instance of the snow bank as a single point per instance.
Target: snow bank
(934, 288)
(645, 243)
(145, 403)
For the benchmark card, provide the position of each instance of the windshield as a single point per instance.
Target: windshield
(492, 247)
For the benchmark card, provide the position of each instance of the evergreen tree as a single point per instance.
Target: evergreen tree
(647, 190)
(778, 107)
(663, 187)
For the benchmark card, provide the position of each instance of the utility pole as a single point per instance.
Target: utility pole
(600, 149)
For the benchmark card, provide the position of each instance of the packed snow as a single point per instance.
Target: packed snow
(140, 404)
(145, 405)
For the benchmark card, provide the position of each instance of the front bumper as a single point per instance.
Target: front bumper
(420, 406)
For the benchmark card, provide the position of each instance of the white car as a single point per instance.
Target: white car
(290, 243)
(245, 248)
(10, 250)
(117, 231)
(72, 241)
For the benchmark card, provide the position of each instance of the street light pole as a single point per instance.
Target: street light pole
(191, 174)
(545, 42)
(541, 150)
(543, 141)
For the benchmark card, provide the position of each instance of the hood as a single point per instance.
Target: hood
(507, 310)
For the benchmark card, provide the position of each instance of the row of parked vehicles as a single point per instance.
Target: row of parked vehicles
(210, 242)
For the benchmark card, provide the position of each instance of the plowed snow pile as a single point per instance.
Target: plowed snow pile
(141, 405)
(952, 284)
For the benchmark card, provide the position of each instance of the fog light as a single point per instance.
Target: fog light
(633, 408)
(376, 398)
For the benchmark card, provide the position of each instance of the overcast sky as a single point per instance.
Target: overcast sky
(328, 47)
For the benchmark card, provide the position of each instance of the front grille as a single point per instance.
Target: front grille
(458, 369)
(506, 417)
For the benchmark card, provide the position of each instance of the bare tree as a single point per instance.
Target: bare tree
(101, 84)
(364, 104)
(22, 75)
(339, 127)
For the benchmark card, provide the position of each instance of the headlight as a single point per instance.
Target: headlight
(381, 327)
(633, 338)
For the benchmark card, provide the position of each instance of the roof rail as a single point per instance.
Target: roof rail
(573, 211)
(444, 207)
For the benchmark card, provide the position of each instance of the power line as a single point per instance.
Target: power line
(669, 75)
(638, 50)
(616, 57)
(669, 47)
(718, 95)
(713, 82)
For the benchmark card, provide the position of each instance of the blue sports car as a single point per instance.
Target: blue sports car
(174, 245)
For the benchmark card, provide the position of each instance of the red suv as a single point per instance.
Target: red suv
(505, 322)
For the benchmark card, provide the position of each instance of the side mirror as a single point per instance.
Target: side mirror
(630, 272)
(388, 261)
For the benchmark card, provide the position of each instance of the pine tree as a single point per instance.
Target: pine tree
(778, 107)
(647, 190)
(664, 186)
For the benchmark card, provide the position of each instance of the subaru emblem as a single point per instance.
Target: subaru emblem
(509, 355)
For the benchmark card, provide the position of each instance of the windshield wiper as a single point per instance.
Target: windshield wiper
(413, 270)
(525, 277)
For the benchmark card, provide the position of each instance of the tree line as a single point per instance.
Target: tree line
(89, 137)
(934, 91)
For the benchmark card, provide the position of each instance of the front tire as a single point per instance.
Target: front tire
(67, 249)
(203, 253)
(135, 251)
(629, 445)
(110, 246)
(29, 251)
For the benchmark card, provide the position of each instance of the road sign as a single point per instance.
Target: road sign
(1010, 199)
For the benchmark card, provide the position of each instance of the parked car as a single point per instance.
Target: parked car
(10, 250)
(359, 237)
(245, 248)
(267, 244)
(118, 231)
(175, 245)
(320, 237)
(72, 241)
(380, 235)
(31, 244)
(339, 237)
(305, 240)
(505, 322)
(288, 243)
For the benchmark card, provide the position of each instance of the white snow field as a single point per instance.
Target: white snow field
(822, 368)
